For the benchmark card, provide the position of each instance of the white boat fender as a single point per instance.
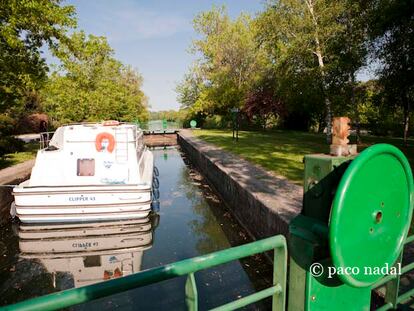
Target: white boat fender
(13, 210)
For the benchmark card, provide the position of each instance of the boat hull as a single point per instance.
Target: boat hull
(64, 218)
(81, 204)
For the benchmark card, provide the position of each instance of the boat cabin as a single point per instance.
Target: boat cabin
(105, 153)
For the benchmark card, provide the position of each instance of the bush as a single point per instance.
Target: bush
(7, 125)
(8, 143)
(217, 122)
(31, 123)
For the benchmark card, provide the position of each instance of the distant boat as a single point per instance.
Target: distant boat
(88, 172)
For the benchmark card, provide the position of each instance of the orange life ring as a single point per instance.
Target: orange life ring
(100, 137)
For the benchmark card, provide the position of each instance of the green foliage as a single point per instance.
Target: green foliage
(392, 31)
(90, 85)
(190, 88)
(24, 27)
(217, 122)
(295, 64)
(229, 62)
(8, 144)
(312, 45)
(299, 57)
(169, 115)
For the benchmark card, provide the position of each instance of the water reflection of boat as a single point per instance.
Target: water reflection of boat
(87, 253)
(88, 172)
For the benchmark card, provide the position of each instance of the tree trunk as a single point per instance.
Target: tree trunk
(355, 106)
(407, 111)
(358, 127)
(318, 53)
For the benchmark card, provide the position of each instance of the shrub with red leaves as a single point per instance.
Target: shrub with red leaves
(262, 103)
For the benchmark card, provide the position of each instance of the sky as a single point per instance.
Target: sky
(153, 36)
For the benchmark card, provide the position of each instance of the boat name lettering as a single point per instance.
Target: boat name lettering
(84, 244)
(81, 198)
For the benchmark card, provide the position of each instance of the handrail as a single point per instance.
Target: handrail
(392, 282)
(45, 138)
(188, 267)
(159, 125)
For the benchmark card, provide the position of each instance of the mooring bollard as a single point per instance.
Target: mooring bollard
(351, 231)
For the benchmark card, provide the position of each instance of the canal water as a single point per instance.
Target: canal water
(192, 220)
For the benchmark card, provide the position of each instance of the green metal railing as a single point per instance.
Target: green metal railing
(187, 267)
(392, 285)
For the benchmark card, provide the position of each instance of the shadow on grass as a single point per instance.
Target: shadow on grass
(282, 151)
(29, 152)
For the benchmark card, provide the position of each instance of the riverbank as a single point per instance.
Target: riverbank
(27, 153)
(262, 202)
(11, 176)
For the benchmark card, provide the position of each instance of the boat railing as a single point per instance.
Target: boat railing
(91, 123)
(187, 267)
(45, 138)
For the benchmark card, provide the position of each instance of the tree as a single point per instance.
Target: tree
(90, 85)
(350, 49)
(25, 26)
(299, 34)
(190, 88)
(263, 102)
(392, 32)
(229, 61)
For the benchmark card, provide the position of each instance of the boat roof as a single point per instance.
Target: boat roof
(85, 129)
(109, 123)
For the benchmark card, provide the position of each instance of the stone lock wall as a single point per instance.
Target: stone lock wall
(263, 203)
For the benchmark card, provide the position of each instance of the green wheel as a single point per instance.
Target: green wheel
(371, 215)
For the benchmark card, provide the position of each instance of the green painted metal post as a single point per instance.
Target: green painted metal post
(191, 294)
(355, 217)
(245, 301)
(279, 278)
(391, 287)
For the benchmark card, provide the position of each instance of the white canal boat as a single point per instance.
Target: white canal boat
(88, 172)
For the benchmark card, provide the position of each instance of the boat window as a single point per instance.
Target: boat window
(86, 167)
(92, 261)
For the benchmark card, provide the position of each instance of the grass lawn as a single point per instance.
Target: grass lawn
(29, 152)
(282, 151)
